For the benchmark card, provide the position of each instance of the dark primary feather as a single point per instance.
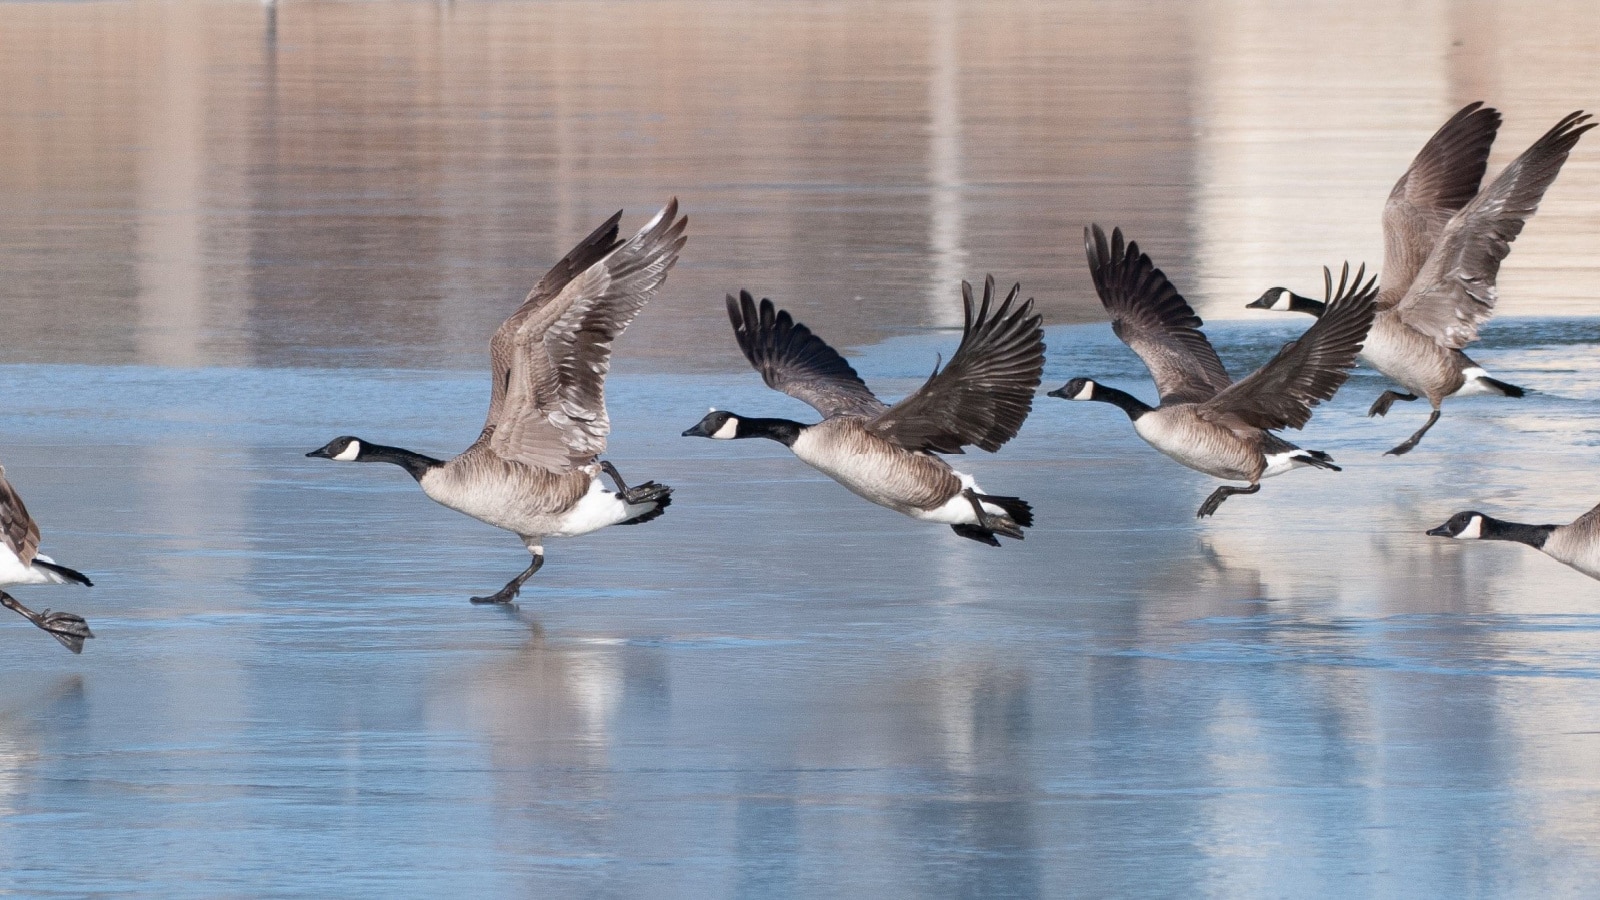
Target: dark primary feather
(983, 396)
(553, 415)
(1455, 291)
(17, 528)
(1306, 371)
(1442, 178)
(796, 362)
(1153, 319)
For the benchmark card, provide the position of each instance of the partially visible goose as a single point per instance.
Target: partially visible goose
(1443, 243)
(1577, 544)
(22, 563)
(535, 469)
(1205, 420)
(886, 453)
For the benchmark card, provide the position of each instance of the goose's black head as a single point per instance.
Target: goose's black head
(1076, 389)
(719, 425)
(342, 449)
(1463, 526)
(1281, 299)
(351, 449)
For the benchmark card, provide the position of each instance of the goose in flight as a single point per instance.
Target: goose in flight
(886, 454)
(1205, 420)
(22, 563)
(535, 468)
(1443, 243)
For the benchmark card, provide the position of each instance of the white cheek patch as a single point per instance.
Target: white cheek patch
(349, 453)
(1086, 392)
(1473, 531)
(1282, 303)
(727, 431)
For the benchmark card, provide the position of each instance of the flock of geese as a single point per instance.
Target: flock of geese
(536, 469)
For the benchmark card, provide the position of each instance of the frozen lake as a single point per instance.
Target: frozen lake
(231, 232)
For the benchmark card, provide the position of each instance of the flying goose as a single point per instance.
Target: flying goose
(1443, 243)
(1576, 544)
(1206, 420)
(22, 563)
(886, 453)
(535, 469)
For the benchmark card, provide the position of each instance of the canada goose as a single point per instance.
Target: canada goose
(1205, 420)
(1443, 243)
(535, 468)
(1576, 544)
(22, 563)
(886, 453)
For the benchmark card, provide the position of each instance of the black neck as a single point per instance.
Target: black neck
(784, 431)
(1298, 303)
(1123, 400)
(415, 464)
(1532, 535)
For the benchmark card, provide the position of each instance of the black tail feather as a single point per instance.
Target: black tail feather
(1015, 507)
(69, 574)
(1320, 460)
(1509, 390)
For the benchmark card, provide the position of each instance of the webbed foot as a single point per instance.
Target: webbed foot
(514, 586)
(1411, 442)
(1380, 406)
(1221, 494)
(68, 628)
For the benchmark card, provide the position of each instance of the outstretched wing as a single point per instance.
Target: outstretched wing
(502, 347)
(1443, 178)
(984, 395)
(1153, 319)
(793, 360)
(1306, 371)
(1455, 292)
(17, 528)
(553, 412)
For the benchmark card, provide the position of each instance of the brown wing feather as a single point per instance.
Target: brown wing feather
(553, 415)
(502, 347)
(1306, 371)
(17, 528)
(1455, 292)
(796, 362)
(1153, 319)
(1442, 178)
(983, 396)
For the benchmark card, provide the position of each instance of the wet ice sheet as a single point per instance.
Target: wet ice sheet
(778, 683)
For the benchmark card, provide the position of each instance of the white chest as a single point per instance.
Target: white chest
(1197, 444)
(1381, 351)
(837, 459)
(1579, 554)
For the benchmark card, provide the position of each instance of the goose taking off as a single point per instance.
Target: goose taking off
(1205, 420)
(1577, 544)
(22, 563)
(886, 454)
(535, 469)
(1443, 244)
